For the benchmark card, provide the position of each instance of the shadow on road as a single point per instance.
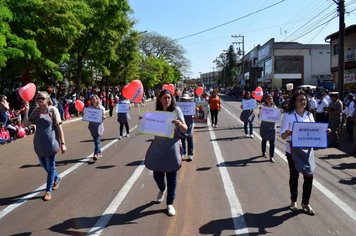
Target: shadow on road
(75, 225)
(244, 162)
(261, 221)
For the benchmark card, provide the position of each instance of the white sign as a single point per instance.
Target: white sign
(202, 114)
(310, 134)
(270, 114)
(188, 108)
(248, 104)
(92, 115)
(123, 108)
(158, 123)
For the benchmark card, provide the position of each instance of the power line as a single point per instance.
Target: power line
(229, 22)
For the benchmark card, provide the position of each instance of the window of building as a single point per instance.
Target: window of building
(283, 65)
(336, 49)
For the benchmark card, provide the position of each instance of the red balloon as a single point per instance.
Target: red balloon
(169, 87)
(79, 105)
(258, 93)
(199, 91)
(133, 91)
(27, 92)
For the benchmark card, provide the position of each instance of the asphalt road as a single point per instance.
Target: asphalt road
(228, 189)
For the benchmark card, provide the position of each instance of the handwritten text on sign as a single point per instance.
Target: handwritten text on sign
(123, 108)
(188, 108)
(249, 104)
(93, 115)
(155, 122)
(270, 114)
(310, 134)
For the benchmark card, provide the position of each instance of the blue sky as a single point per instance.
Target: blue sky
(284, 20)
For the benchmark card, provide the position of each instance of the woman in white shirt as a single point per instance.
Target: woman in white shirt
(299, 159)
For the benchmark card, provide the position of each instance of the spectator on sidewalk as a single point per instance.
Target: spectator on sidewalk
(335, 115)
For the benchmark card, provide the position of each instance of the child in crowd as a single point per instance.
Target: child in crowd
(4, 135)
(12, 129)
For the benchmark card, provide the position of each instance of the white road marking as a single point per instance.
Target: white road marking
(235, 206)
(343, 206)
(109, 212)
(13, 206)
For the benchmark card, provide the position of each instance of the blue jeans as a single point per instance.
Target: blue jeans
(171, 184)
(49, 164)
(4, 116)
(271, 147)
(251, 127)
(190, 145)
(97, 141)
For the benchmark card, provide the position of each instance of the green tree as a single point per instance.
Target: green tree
(53, 27)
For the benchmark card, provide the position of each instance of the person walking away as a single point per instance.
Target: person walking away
(111, 104)
(312, 102)
(164, 154)
(187, 136)
(268, 132)
(48, 139)
(97, 129)
(300, 160)
(124, 118)
(335, 115)
(215, 106)
(247, 116)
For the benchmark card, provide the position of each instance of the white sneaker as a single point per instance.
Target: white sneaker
(247, 136)
(251, 135)
(160, 196)
(171, 210)
(127, 135)
(120, 137)
(190, 157)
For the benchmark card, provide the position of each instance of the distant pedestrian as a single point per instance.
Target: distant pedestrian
(96, 129)
(335, 115)
(187, 137)
(268, 132)
(48, 139)
(124, 118)
(247, 116)
(215, 106)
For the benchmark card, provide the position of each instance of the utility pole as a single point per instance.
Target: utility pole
(341, 66)
(242, 38)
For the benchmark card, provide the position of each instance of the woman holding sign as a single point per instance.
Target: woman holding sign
(96, 129)
(49, 138)
(247, 116)
(268, 131)
(123, 118)
(299, 159)
(164, 154)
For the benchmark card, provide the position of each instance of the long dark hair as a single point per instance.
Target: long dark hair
(245, 95)
(292, 101)
(159, 106)
(268, 96)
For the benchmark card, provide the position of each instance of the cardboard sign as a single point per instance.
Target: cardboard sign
(188, 108)
(92, 115)
(249, 104)
(270, 114)
(123, 108)
(157, 123)
(310, 134)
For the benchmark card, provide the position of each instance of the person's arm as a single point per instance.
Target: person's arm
(284, 130)
(26, 120)
(61, 137)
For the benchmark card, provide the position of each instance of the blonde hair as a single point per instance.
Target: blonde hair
(96, 97)
(46, 95)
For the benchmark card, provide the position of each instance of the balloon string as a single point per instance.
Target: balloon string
(139, 110)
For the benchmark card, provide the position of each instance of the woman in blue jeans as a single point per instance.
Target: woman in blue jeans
(164, 155)
(96, 129)
(49, 138)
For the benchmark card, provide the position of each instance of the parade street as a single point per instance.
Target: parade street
(228, 188)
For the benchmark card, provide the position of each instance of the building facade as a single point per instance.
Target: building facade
(350, 56)
(209, 79)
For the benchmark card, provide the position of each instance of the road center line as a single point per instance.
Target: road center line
(235, 206)
(13, 206)
(343, 206)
